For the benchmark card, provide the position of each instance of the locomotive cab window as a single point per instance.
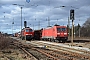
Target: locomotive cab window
(58, 29)
(30, 30)
(61, 29)
(27, 30)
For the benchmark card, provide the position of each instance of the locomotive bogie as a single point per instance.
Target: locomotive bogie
(27, 37)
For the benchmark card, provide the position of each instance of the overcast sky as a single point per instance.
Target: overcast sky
(37, 13)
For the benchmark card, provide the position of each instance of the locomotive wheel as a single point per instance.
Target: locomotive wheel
(52, 40)
(63, 41)
(22, 38)
(57, 41)
(60, 41)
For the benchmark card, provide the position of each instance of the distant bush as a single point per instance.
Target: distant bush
(4, 42)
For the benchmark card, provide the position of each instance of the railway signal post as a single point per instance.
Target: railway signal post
(25, 25)
(72, 18)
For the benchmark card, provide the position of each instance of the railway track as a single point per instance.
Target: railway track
(81, 54)
(54, 55)
(31, 55)
(52, 51)
(23, 48)
(47, 53)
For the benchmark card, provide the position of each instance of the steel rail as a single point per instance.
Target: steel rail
(65, 49)
(21, 46)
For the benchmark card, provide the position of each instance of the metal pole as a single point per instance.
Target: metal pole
(72, 34)
(12, 25)
(48, 21)
(79, 28)
(12, 28)
(25, 37)
(74, 30)
(39, 25)
(33, 26)
(79, 31)
(21, 23)
(57, 21)
(68, 26)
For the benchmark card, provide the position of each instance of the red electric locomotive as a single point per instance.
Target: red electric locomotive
(55, 33)
(27, 33)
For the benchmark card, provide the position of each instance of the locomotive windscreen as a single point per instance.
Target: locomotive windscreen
(28, 30)
(61, 29)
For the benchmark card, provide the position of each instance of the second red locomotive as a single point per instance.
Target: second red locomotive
(27, 33)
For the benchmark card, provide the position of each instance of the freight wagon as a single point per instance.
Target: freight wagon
(37, 34)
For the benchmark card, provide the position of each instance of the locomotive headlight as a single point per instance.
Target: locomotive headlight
(27, 34)
(30, 34)
(65, 33)
(58, 33)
